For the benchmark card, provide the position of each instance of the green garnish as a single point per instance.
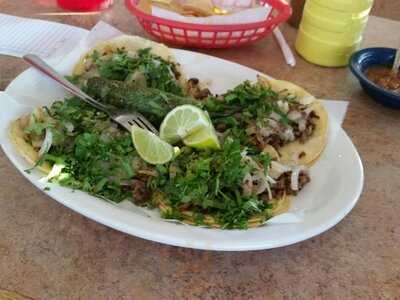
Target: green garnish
(97, 156)
(210, 183)
(153, 103)
(159, 73)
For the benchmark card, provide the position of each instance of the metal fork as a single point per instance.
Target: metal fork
(125, 119)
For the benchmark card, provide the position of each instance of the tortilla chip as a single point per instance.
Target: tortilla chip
(201, 8)
(145, 6)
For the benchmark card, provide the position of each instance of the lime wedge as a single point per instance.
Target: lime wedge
(182, 122)
(205, 138)
(151, 148)
(191, 125)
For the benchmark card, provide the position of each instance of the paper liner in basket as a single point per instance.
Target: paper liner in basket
(250, 15)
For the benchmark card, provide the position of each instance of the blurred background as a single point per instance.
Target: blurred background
(382, 8)
(385, 8)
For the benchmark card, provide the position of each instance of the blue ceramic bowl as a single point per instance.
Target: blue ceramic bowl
(365, 58)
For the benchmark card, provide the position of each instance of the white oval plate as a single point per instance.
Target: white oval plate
(337, 178)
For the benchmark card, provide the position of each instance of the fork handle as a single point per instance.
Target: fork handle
(39, 64)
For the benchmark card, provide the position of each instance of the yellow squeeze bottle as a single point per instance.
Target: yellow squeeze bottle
(331, 30)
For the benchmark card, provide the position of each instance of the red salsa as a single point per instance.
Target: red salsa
(383, 76)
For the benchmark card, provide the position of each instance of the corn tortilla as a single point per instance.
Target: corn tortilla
(280, 206)
(132, 44)
(296, 152)
(21, 145)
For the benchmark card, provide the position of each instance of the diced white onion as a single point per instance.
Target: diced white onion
(265, 132)
(286, 107)
(55, 171)
(171, 72)
(294, 115)
(157, 63)
(69, 126)
(307, 111)
(302, 124)
(247, 184)
(273, 123)
(283, 105)
(269, 192)
(270, 179)
(294, 179)
(262, 182)
(278, 169)
(139, 78)
(288, 134)
(275, 116)
(278, 166)
(47, 142)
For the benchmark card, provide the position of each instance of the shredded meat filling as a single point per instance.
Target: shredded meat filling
(196, 91)
(274, 140)
(277, 141)
(141, 193)
(283, 184)
(310, 127)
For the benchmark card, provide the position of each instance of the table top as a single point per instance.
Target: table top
(49, 252)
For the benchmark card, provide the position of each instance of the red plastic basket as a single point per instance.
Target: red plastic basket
(211, 36)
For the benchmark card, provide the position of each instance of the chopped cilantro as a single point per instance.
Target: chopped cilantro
(210, 183)
(97, 156)
(172, 214)
(159, 73)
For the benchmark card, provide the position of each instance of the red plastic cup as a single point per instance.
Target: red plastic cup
(84, 5)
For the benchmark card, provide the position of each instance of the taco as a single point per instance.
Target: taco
(279, 118)
(227, 189)
(190, 217)
(310, 124)
(26, 141)
(132, 59)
